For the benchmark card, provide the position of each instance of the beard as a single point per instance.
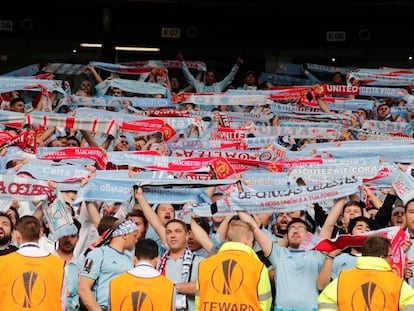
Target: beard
(294, 245)
(280, 230)
(5, 239)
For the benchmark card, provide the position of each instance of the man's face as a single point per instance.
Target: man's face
(110, 209)
(131, 240)
(123, 145)
(17, 106)
(5, 230)
(283, 220)
(176, 236)
(383, 111)
(360, 227)
(210, 78)
(296, 234)
(250, 79)
(398, 217)
(350, 212)
(142, 228)
(165, 212)
(409, 217)
(116, 92)
(67, 243)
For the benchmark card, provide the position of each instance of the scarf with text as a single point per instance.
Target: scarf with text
(286, 199)
(25, 189)
(327, 171)
(390, 150)
(358, 90)
(150, 126)
(387, 127)
(156, 191)
(403, 183)
(95, 153)
(26, 140)
(220, 165)
(57, 173)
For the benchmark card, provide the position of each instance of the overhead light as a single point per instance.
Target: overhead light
(122, 48)
(91, 45)
(136, 49)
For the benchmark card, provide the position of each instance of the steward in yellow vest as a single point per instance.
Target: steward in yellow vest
(32, 279)
(143, 288)
(371, 285)
(234, 278)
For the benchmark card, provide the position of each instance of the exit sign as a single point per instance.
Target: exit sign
(174, 33)
(335, 36)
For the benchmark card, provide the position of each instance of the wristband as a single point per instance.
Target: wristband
(330, 257)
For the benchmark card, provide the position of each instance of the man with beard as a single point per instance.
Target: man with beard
(296, 269)
(105, 262)
(6, 229)
(279, 228)
(73, 266)
(44, 288)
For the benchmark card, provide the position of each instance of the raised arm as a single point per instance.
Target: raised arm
(262, 238)
(330, 221)
(93, 211)
(186, 72)
(325, 275)
(201, 235)
(151, 216)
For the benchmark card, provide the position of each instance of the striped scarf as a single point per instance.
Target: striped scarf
(188, 258)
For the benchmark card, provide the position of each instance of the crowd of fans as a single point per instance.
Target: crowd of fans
(209, 167)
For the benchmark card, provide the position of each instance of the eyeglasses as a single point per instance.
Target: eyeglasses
(123, 141)
(298, 229)
(398, 214)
